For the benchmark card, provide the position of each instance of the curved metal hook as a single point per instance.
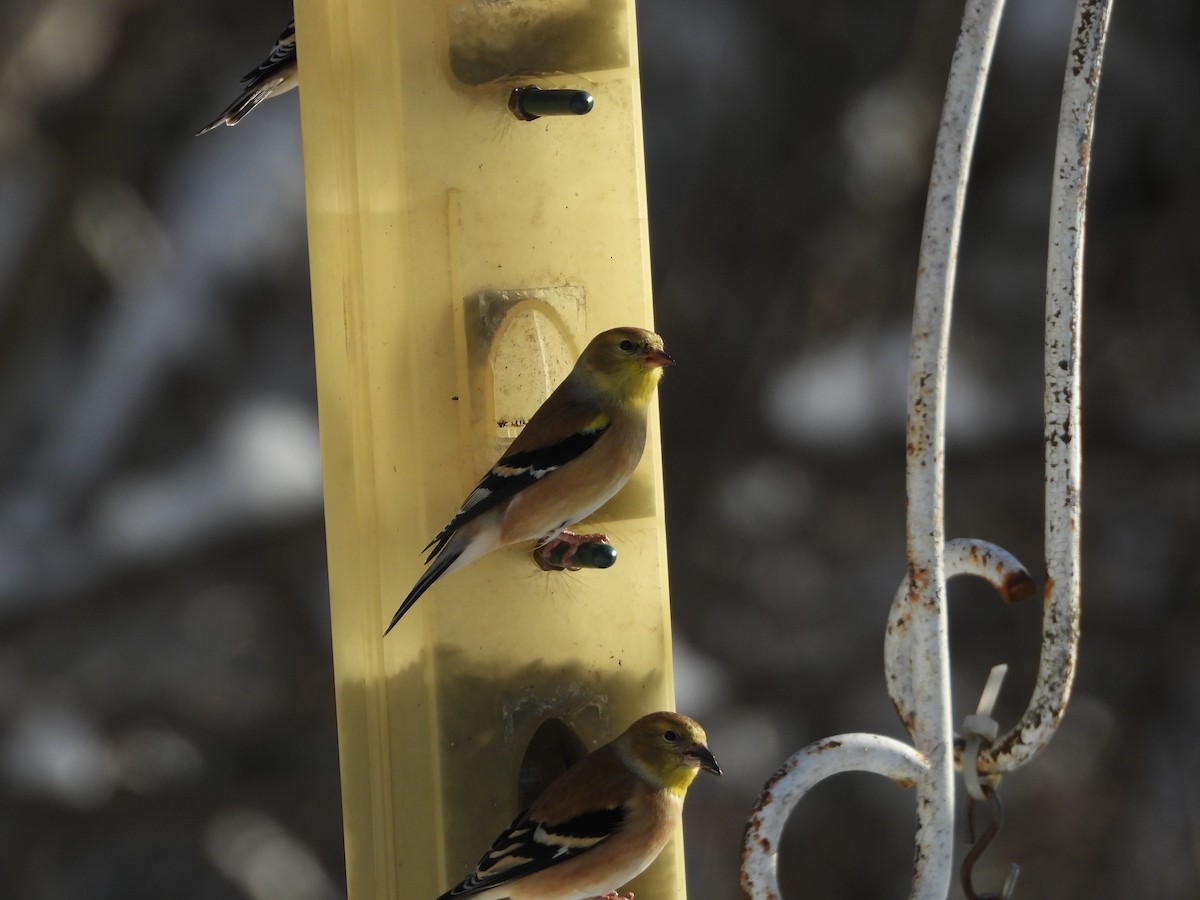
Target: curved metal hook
(918, 658)
(844, 753)
(964, 556)
(928, 664)
(979, 846)
(1062, 418)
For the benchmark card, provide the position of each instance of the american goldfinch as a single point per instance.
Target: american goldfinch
(601, 822)
(275, 75)
(575, 453)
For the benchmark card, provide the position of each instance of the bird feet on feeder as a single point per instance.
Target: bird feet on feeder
(568, 550)
(613, 895)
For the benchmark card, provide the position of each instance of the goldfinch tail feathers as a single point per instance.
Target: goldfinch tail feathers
(274, 75)
(511, 475)
(432, 574)
(239, 108)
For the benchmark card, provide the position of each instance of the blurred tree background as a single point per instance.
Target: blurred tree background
(166, 704)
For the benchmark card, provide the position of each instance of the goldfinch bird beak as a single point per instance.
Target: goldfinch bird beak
(655, 358)
(703, 757)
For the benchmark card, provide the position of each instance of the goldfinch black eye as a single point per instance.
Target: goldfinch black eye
(626, 345)
(671, 736)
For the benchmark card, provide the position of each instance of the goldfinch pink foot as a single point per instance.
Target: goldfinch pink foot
(559, 552)
(574, 454)
(600, 823)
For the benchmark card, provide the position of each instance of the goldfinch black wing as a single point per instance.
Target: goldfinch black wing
(528, 846)
(517, 470)
(283, 54)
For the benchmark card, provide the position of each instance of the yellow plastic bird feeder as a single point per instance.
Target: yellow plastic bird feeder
(461, 258)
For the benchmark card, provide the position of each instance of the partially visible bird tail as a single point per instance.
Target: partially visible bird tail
(239, 108)
(219, 120)
(435, 571)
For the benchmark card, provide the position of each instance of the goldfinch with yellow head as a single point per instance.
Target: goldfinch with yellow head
(601, 822)
(575, 453)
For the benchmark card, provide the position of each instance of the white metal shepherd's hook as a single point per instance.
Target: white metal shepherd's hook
(916, 645)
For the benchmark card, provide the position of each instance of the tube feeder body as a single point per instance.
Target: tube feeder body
(461, 258)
